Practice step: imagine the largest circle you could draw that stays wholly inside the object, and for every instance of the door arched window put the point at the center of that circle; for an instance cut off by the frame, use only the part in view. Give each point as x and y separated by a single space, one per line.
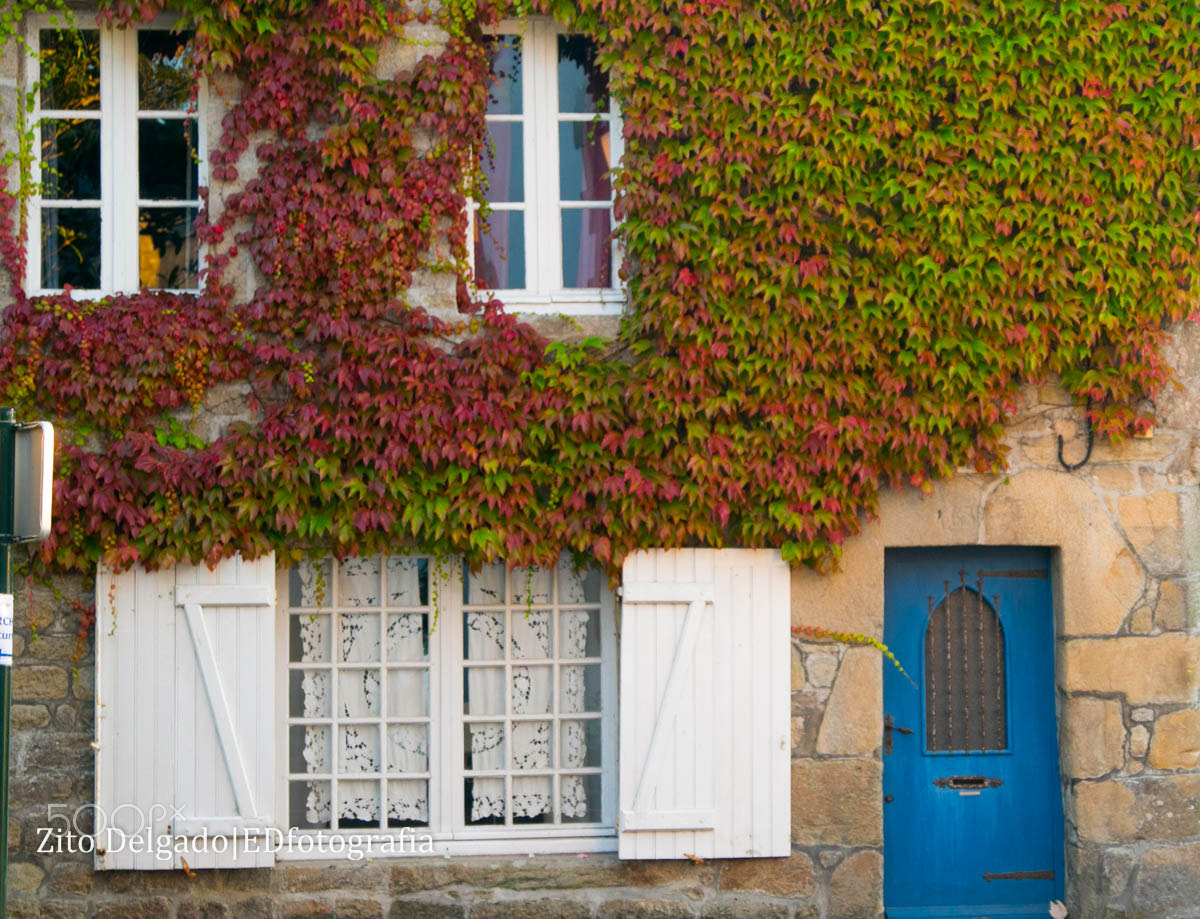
965 704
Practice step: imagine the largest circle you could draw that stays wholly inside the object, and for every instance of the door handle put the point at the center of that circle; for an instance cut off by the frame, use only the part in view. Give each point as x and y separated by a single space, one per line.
888 727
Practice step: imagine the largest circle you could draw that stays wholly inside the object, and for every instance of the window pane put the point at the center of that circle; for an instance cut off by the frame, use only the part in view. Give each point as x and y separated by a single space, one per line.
532 690
580 633
359 637
532 585
587 252
165 75
309 694
358 748
408 693
408 637
70 68
531 745
580 744
582 85
504 97
500 252
483 691
583 161
577 585
167 251
408 803
308 805
580 798
580 689
309 641
408 581
484 746
309 749
408 748
531 636
503 162
71 158
533 799
358 582
485 800
167 159
485 587
309 584
70 247
358 693
358 804
483 636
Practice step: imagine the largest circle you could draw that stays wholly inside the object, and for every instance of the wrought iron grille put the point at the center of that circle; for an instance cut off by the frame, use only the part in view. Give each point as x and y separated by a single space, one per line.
965 694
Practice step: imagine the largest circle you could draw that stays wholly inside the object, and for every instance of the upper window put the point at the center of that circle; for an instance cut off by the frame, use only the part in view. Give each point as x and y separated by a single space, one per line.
119 169
554 136
468 704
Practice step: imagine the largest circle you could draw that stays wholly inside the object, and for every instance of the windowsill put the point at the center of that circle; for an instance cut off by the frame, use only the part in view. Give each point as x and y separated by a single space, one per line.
410 845
566 303
85 295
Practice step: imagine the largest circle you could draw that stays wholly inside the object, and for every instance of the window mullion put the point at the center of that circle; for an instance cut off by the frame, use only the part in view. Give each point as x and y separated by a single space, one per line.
120 142
548 216
449 669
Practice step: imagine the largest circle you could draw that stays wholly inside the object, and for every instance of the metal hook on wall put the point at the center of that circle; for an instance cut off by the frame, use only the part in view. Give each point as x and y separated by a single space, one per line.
1087 423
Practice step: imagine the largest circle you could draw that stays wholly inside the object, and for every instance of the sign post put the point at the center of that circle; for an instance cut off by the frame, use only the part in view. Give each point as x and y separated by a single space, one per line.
26 472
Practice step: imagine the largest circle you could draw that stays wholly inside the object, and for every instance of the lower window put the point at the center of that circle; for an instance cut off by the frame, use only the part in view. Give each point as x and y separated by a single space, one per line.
466 704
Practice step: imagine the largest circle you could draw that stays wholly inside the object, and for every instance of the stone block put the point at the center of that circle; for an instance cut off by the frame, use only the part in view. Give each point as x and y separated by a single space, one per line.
822 668
850 599
47 909
741 908
1171 612
1142 620
26 717
1160 808
1114 478
541 908
779 877
853 719
1168 879
71 878
1093 737
1176 741
306 909
24 877
204 909
416 909
554 872
153 908
1100 580
1142 714
313 878
856 888
837 802
358 908
38 682
645 909
807 711
1153 525
1139 740
799 677
1160 668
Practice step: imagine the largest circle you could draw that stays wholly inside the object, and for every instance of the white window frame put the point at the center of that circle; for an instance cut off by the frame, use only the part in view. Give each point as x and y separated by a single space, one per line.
447 822
118 115
544 293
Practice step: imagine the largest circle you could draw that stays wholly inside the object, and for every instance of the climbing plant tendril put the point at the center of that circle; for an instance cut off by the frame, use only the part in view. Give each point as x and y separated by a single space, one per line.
852 230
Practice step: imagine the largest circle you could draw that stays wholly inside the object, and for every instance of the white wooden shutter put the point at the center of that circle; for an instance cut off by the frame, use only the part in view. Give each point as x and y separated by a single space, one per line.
705 748
185 715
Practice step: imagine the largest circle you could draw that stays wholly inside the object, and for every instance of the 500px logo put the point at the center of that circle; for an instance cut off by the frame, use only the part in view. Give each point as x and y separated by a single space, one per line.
89 829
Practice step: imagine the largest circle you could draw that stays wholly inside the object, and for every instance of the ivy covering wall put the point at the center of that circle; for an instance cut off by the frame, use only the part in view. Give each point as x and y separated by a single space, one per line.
852 230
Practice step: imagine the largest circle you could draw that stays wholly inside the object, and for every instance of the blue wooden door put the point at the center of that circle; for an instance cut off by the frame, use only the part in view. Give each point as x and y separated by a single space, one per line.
972 813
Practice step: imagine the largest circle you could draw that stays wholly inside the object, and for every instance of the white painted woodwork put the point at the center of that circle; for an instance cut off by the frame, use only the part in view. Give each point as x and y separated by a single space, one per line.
704 695
185 715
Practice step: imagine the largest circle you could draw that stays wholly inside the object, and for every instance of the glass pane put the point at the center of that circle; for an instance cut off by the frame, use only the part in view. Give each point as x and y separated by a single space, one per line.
309 639
577 585
579 689
531 742
531 635
582 84
533 799
485 588
168 256
580 798
484 746
532 585
165 75
358 693
584 158
532 690
309 584
408 693
71 158
484 800
579 744
483 691
309 694
308 805
358 804
167 169
309 749
408 748
408 637
587 253
71 247
359 637
407 581
483 636
504 163
580 633
504 96
70 68
358 582
408 802
358 748
500 251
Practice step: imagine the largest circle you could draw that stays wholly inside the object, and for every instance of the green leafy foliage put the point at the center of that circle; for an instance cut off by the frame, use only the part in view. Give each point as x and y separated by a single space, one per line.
852 231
